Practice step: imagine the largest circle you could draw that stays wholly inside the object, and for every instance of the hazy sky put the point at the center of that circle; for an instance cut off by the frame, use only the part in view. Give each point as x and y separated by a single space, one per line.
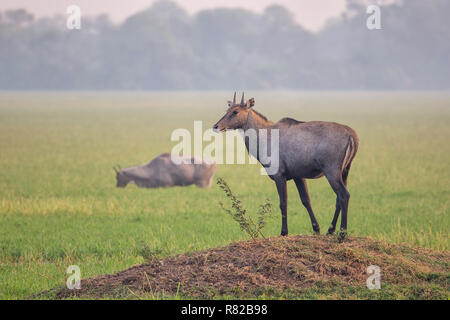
311 14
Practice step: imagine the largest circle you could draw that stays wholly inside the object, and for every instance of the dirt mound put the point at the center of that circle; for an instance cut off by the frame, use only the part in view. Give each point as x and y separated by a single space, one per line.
293 263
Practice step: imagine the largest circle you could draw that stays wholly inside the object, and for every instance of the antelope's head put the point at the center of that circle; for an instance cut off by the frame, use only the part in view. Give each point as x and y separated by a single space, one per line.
121 179
236 115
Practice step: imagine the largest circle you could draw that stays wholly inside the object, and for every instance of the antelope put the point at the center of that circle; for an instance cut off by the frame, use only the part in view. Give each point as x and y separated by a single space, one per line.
168 170
307 150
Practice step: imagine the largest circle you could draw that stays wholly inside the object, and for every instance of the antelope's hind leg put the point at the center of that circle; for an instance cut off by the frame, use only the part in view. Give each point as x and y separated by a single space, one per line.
304 197
336 180
338 207
332 227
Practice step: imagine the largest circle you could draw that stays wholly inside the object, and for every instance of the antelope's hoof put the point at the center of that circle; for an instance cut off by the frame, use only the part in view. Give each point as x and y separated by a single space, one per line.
342 236
316 228
284 233
331 231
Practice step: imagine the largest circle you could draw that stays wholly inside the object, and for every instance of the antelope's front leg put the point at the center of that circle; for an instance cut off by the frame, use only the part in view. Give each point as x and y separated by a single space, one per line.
282 193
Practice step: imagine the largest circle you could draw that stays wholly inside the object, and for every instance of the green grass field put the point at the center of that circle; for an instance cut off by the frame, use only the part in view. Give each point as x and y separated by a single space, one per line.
59 205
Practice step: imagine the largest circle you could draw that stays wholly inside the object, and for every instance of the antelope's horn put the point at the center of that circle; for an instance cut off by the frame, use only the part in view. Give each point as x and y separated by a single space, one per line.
234 98
115 170
242 99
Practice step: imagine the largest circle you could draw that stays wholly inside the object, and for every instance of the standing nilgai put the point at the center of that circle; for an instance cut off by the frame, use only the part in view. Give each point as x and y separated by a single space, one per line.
307 150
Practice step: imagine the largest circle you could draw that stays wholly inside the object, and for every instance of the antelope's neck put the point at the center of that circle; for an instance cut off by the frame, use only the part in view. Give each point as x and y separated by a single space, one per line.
255 121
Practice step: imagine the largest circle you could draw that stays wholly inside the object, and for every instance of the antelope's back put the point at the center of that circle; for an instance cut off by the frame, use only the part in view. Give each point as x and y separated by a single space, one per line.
306 148
186 170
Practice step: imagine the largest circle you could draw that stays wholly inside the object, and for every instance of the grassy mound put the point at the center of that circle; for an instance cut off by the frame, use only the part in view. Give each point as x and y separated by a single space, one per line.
292 267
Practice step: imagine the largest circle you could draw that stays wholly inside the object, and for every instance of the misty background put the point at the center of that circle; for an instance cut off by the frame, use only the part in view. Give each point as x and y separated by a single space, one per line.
166 48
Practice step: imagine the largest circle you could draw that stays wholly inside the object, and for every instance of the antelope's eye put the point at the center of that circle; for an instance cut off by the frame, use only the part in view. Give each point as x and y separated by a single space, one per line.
235 112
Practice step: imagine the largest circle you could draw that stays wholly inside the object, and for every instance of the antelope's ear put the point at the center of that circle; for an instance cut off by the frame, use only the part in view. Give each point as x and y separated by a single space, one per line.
230 103
250 103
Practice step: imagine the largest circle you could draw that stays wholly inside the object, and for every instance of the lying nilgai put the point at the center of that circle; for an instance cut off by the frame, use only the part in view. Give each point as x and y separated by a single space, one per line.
307 150
163 172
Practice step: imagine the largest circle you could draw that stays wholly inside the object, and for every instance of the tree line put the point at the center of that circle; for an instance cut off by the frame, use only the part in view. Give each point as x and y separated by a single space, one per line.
165 48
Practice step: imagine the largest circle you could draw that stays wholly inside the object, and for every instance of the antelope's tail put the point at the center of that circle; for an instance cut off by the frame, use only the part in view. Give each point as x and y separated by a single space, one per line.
350 152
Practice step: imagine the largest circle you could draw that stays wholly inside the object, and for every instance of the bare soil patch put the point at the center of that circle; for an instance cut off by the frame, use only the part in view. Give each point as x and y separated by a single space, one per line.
294 263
